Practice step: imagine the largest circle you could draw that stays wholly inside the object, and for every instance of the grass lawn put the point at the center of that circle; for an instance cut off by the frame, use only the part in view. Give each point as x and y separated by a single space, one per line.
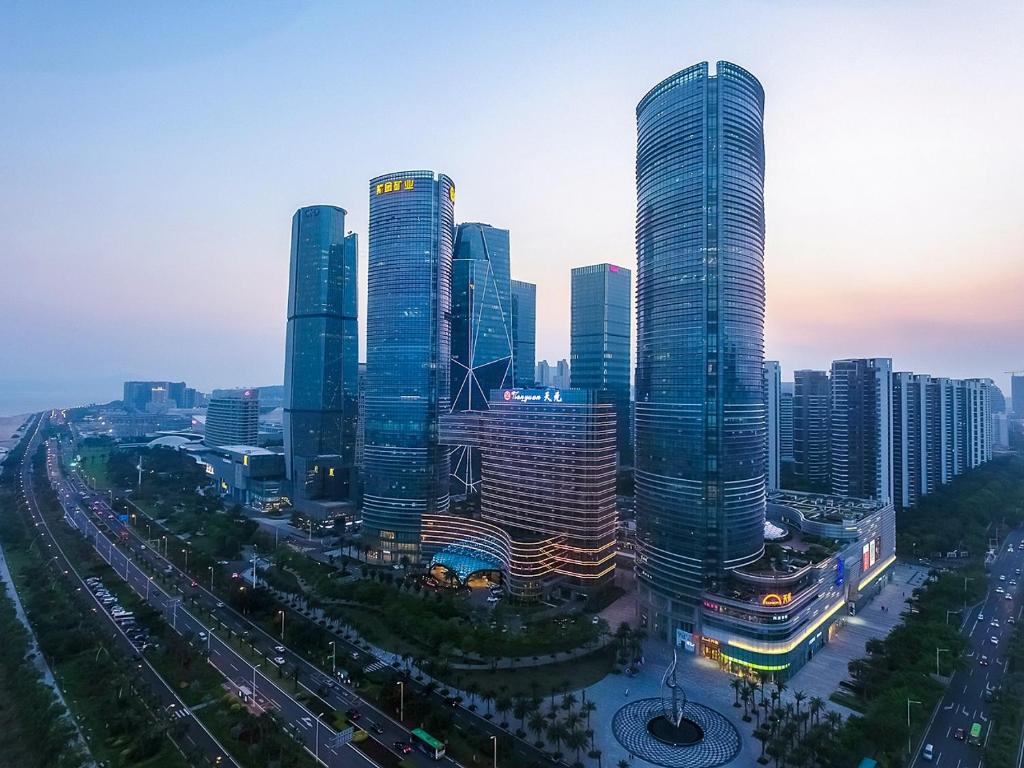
581 673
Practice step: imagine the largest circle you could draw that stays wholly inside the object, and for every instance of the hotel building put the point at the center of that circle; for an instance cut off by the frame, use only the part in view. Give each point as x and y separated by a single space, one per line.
547 515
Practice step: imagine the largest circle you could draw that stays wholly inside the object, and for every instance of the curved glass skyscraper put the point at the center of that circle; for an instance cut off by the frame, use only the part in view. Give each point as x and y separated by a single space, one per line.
322 355
408 343
700 413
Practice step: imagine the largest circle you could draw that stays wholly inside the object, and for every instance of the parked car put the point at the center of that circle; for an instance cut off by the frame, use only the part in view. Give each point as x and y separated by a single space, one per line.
928 753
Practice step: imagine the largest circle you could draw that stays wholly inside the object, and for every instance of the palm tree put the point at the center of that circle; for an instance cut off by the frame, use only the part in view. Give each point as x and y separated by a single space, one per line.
576 739
503 705
537 725
798 697
595 754
834 720
817 705
745 695
762 735
735 684
568 701
488 696
623 763
587 708
520 709
572 720
557 733
472 688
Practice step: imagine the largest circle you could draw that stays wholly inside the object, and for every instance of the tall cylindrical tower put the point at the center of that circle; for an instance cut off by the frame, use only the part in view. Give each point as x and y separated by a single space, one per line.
408 346
700 413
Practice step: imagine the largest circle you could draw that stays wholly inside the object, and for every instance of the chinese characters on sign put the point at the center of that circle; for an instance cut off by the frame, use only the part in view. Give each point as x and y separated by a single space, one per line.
395 186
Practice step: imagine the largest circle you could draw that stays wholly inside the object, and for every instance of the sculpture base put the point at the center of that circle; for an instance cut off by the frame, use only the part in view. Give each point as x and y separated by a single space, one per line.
686 734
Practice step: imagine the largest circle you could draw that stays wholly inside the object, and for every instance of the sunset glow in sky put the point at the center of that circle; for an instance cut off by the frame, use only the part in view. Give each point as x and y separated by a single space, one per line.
151 158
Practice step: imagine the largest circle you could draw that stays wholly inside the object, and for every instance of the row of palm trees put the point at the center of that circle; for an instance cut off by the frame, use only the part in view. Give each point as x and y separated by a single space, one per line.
561 721
790 734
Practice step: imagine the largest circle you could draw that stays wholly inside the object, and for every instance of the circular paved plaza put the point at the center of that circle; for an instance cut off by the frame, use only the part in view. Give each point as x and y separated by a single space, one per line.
720 745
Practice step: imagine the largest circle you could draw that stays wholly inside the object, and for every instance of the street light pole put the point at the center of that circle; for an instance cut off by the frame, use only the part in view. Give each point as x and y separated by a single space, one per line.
211 578
316 742
401 702
282 623
495 740
909 746
334 664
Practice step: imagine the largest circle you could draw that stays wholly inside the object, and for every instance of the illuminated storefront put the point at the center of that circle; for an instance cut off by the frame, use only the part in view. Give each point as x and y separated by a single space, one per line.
771 620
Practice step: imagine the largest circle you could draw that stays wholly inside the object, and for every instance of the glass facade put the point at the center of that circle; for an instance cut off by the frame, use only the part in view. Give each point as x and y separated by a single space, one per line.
810 428
408 351
322 351
860 428
481 333
600 341
700 413
524 332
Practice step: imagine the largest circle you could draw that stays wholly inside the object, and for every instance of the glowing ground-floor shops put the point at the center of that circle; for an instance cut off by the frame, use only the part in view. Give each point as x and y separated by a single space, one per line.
774 615
780 661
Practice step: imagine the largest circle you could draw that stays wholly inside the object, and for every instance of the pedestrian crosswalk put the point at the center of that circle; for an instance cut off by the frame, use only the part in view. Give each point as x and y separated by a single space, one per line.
374 666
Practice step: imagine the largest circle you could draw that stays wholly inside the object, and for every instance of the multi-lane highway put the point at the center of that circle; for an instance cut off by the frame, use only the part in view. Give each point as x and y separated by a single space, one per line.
195 738
327 745
968 699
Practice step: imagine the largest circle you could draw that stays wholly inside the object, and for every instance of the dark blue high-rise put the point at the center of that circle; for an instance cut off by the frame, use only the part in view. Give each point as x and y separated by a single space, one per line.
408 348
481 333
524 332
700 413
599 337
322 354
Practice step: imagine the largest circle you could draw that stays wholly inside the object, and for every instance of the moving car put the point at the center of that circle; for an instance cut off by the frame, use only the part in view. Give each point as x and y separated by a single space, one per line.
960 734
278 660
403 747
928 753
353 714
983 660
994 640
280 648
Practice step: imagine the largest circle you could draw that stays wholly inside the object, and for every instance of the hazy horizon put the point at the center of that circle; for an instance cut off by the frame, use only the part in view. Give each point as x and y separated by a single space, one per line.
154 156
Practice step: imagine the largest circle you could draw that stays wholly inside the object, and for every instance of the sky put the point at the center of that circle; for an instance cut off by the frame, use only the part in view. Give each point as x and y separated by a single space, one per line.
152 155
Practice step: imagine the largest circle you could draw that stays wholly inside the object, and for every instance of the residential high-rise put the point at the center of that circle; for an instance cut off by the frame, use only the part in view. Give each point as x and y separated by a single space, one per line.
786 421
860 448
943 435
600 341
408 353
773 420
810 428
976 422
482 347
547 501
1017 395
232 417
321 356
911 438
524 331
699 412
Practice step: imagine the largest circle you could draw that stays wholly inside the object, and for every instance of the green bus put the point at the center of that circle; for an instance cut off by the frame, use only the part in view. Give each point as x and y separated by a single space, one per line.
975 736
427 744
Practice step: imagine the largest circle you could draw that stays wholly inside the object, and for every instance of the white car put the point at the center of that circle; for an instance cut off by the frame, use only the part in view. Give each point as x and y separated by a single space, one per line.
280 648
202 636
994 640
492 599
278 660
981 617
994 623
